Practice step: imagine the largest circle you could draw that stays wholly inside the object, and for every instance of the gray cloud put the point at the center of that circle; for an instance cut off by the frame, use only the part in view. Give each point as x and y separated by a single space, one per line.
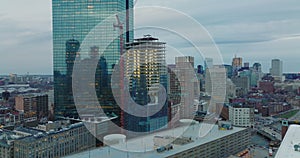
257 30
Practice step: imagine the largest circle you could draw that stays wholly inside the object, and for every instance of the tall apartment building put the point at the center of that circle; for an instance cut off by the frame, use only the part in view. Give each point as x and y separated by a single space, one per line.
242 116
72 22
32 105
146 70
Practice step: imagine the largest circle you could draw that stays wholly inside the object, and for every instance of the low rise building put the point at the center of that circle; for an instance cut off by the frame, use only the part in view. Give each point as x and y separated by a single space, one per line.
195 142
7 139
54 143
242 116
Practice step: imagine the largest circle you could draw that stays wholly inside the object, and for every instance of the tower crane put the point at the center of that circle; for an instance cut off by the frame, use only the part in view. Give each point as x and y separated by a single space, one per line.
120 26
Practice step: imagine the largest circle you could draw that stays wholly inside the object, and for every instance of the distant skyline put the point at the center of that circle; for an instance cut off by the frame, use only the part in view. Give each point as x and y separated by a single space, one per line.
256 30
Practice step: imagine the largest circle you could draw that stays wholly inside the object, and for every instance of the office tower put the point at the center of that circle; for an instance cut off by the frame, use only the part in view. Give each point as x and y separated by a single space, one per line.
187 80
174 95
72 22
145 70
257 74
174 85
276 69
237 62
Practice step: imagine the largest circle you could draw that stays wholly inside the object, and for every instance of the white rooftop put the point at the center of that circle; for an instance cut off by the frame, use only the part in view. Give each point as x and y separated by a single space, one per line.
144 146
291 138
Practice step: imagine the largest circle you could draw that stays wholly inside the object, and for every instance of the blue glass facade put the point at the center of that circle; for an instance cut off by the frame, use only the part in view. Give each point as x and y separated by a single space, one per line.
73 20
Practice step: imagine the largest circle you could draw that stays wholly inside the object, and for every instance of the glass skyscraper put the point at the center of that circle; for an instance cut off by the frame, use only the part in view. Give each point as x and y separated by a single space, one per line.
73 20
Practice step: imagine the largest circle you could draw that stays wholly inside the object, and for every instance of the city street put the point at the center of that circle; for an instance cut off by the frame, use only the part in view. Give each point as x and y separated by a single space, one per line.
261 152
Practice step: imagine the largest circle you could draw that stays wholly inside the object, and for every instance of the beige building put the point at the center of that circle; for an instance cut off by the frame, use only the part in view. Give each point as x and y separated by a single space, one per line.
242 116
187 78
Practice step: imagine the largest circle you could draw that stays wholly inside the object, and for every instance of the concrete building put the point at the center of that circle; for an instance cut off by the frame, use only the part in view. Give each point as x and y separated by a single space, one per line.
276 69
187 79
54 143
218 142
215 86
241 116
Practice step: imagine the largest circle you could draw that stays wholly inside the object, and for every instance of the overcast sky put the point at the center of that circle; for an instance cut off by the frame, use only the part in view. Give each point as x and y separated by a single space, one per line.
257 30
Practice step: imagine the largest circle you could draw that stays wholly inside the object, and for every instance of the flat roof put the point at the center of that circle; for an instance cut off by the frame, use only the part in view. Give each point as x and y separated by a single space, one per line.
144 146
291 138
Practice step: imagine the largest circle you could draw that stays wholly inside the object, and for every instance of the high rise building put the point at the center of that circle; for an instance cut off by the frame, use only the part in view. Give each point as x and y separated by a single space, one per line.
237 62
276 69
145 69
229 70
187 79
72 22
215 86
256 75
174 85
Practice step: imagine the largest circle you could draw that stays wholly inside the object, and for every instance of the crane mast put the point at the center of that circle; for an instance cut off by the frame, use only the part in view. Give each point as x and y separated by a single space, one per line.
120 26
